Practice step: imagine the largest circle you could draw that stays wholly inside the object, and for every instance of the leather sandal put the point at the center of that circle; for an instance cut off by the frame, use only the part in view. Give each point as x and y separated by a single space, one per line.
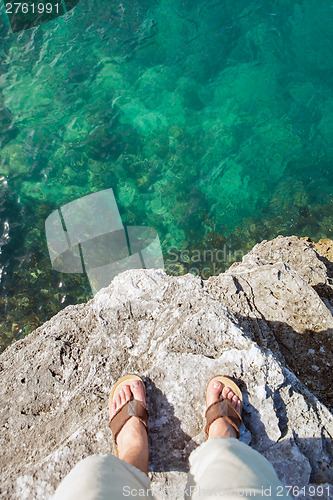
223 408
132 408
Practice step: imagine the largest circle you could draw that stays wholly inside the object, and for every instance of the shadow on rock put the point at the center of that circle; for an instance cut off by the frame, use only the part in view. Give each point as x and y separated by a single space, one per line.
308 355
169 445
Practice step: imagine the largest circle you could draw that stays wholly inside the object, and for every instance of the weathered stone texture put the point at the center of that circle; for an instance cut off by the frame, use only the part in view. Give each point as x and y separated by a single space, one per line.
267 321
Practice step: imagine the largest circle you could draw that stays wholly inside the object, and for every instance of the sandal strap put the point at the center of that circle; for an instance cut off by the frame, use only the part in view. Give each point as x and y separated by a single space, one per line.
223 409
133 408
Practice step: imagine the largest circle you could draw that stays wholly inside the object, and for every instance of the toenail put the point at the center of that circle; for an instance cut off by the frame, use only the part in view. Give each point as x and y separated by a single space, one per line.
136 383
216 385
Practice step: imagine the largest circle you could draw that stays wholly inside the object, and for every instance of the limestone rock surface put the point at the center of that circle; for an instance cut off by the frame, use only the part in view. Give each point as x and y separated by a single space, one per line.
267 321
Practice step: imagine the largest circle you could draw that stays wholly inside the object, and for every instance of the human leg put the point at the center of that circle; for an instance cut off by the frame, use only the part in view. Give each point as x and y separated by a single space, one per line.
225 468
106 477
132 439
103 477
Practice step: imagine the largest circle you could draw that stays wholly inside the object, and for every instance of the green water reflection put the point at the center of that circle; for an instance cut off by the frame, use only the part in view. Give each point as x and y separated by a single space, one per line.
211 121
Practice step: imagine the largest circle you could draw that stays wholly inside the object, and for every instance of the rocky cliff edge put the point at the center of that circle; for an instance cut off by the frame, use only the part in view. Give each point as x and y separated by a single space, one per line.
266 321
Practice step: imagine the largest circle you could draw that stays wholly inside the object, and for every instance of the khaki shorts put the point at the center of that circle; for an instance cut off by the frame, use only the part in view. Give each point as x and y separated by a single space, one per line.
220 468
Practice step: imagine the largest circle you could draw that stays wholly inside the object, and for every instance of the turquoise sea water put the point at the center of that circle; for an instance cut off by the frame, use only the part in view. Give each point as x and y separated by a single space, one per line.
211 121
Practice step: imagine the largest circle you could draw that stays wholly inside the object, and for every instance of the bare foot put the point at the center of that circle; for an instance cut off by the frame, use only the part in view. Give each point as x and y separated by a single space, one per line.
221 427
132 440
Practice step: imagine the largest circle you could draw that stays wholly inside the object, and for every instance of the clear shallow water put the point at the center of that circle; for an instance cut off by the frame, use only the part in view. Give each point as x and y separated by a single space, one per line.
211 121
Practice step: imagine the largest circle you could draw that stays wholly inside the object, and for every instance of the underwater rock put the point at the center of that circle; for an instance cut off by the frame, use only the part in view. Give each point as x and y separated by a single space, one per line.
177 332
8 130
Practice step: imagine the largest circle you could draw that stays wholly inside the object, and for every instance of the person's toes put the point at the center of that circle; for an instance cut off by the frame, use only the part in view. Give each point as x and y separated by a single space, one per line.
122 397
138 391
234 401
225 391
213 392
113 408
127 392
118 400
114 405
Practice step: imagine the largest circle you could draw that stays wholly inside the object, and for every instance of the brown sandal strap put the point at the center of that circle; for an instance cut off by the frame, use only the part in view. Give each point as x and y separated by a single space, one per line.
223 409
133 408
